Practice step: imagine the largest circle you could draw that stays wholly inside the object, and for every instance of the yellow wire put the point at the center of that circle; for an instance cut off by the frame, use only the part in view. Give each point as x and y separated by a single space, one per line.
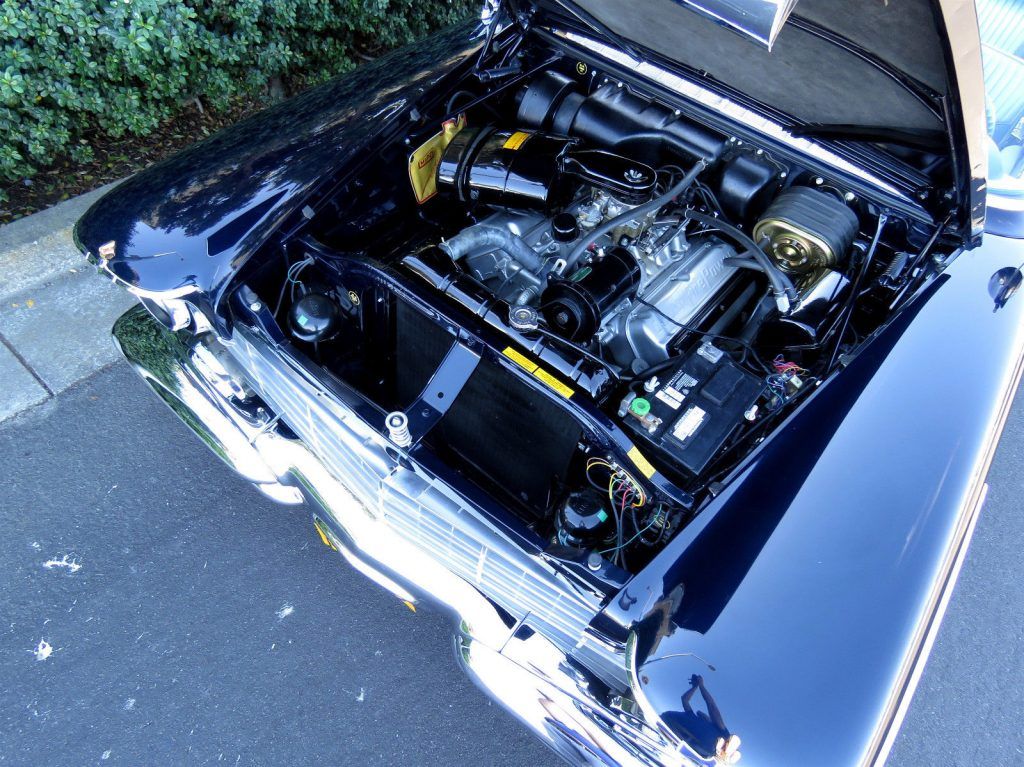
622 474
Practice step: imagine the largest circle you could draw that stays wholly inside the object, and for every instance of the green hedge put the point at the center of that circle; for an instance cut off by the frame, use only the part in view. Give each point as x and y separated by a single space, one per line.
70 67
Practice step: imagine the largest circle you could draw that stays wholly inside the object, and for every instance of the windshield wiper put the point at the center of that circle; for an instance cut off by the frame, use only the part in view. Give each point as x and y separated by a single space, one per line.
930 140
598 26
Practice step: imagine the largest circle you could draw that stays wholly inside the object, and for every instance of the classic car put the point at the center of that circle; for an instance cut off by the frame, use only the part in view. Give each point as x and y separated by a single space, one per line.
664 345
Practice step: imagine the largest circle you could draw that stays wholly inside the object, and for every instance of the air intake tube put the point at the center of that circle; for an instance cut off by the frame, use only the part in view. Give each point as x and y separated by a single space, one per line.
618 120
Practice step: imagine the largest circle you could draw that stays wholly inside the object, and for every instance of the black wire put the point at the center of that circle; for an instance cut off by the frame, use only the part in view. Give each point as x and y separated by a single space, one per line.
451 99
847 311
580 350
691 329
752 431
284 284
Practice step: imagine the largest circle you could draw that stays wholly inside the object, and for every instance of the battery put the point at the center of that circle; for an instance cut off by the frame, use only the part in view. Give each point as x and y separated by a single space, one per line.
688 413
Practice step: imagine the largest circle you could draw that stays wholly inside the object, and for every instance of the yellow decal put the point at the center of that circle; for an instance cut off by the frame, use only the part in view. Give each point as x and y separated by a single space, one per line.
516 140
641 463
323 536
520 359
540 373
581 67
553 382
424 161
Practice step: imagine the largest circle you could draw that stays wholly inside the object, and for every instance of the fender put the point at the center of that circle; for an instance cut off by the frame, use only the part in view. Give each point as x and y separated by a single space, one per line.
188 223
807 595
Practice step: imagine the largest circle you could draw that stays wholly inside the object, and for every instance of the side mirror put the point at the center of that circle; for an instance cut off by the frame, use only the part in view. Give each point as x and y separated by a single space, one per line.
1004 284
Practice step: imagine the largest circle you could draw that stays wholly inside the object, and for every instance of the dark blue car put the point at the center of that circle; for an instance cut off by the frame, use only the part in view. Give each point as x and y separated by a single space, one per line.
663 344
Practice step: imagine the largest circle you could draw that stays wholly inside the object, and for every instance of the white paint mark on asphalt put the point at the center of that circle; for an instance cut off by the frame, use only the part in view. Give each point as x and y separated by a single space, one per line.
361 696
112 489
43 650
129 704
377 653
71 565
285 611
106 755
36 546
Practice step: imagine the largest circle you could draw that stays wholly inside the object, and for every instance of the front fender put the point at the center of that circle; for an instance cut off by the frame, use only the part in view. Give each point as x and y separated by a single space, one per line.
187 224
807 595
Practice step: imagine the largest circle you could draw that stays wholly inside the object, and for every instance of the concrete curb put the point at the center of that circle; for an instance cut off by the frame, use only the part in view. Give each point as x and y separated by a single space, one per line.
55 311
38 249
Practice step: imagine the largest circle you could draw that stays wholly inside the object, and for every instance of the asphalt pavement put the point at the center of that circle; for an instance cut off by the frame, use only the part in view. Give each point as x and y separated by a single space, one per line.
158 611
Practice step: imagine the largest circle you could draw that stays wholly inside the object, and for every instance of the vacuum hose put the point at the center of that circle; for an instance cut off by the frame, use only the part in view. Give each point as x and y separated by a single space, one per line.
754 258
633 213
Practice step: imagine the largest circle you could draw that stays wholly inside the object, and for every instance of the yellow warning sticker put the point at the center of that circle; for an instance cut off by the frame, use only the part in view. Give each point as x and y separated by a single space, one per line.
540 373
424 161
553 382
516 140
520 359
641 463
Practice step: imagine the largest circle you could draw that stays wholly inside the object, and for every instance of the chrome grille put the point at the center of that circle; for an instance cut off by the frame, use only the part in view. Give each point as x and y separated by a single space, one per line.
421 509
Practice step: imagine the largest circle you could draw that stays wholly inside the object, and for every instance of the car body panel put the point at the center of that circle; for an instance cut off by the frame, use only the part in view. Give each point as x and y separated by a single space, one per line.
190 222
803 594
800 594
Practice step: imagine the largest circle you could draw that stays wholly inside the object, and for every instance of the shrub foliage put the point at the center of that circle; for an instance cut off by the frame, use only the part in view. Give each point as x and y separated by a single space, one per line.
72 67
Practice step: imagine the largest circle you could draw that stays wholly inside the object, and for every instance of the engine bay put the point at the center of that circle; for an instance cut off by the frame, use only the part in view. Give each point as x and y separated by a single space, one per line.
653 281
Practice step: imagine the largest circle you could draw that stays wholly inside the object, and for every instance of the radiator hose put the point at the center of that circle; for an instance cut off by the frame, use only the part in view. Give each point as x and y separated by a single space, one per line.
483 237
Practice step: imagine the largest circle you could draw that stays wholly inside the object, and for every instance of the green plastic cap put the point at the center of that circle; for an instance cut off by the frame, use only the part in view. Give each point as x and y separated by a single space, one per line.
640 406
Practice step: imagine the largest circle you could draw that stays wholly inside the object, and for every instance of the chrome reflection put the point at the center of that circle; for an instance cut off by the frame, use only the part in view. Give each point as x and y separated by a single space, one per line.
760 20
516 661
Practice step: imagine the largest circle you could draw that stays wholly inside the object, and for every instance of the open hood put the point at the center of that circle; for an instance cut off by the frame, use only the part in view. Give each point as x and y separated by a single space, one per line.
904 76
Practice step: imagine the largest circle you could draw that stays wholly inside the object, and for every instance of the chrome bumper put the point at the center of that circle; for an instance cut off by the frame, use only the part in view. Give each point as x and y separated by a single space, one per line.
411 534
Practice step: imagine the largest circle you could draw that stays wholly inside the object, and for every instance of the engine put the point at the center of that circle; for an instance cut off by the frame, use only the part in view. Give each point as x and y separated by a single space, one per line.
685 289
640 269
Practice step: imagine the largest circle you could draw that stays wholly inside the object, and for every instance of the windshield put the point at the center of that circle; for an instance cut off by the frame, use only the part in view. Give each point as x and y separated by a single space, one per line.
1002 40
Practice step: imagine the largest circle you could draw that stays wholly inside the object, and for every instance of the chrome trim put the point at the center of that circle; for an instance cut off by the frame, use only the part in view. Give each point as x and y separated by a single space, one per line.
961 26
760 20
414 536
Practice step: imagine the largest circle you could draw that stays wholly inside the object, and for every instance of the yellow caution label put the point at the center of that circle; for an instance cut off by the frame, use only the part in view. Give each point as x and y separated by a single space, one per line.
540 373
423 162
516 140
553 382
641 463
520 359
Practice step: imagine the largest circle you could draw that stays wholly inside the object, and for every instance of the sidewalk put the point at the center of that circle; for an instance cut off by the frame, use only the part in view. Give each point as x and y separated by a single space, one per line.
55 311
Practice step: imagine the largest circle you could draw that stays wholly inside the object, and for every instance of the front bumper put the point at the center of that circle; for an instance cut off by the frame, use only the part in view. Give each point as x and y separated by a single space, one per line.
522 625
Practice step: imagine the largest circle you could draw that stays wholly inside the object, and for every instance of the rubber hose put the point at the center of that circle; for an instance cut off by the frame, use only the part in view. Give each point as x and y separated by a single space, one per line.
633 213
780 282
483 237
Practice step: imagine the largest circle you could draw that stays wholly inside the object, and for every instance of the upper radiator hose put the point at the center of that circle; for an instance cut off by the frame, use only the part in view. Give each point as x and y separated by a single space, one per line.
482 237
